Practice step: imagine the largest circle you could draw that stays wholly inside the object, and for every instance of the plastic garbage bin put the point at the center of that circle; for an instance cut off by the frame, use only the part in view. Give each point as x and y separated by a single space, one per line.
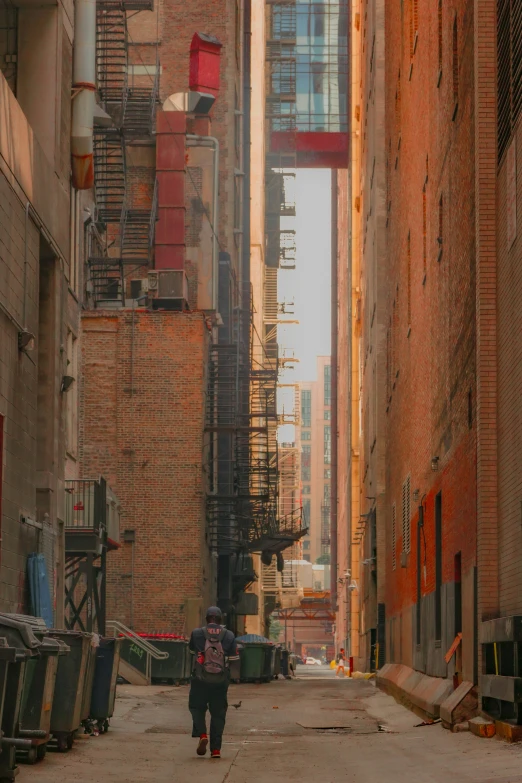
103 693
20 639
277 660
66 714
254 661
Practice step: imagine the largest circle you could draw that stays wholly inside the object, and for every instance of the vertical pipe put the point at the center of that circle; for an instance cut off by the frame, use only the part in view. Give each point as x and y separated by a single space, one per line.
247 96
84 86
333 372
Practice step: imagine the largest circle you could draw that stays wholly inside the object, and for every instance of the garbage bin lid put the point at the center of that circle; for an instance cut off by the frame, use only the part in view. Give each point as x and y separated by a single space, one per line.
24 630
51 646
253 638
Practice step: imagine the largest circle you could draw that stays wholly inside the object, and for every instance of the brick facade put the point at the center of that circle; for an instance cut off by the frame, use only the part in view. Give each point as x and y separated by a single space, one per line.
143 409
430 307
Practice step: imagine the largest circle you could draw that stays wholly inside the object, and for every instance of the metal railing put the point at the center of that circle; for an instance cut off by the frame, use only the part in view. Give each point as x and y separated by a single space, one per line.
119 630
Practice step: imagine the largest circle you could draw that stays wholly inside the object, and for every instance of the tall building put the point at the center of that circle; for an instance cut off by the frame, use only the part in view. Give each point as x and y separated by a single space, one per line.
44 227
314 441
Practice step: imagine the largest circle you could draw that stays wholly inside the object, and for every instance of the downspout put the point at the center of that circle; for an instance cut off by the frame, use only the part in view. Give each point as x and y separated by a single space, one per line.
84 86
213 143
333 392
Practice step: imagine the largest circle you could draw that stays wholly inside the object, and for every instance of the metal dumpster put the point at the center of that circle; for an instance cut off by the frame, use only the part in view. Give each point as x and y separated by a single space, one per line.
103 692
87 724
22 646
287 664
277 660
254 656
172 670
66 716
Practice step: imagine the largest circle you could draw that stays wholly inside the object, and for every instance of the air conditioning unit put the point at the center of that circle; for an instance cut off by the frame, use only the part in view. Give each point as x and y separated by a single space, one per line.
168 289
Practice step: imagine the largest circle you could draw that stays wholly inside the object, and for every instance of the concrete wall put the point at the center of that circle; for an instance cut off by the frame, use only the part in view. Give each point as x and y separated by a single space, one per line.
143 415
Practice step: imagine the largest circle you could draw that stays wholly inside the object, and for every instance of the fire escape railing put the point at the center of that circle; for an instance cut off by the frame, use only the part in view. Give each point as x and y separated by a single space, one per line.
127 218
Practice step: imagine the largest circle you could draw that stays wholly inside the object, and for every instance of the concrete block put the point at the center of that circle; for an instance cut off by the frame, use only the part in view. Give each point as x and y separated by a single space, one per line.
508 731
459 706
481 727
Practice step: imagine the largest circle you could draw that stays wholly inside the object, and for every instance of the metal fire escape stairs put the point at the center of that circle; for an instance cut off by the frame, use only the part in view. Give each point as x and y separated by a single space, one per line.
129 228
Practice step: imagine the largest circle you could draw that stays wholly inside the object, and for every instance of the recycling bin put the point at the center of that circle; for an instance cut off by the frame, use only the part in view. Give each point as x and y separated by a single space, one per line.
19 645
66 716
103 694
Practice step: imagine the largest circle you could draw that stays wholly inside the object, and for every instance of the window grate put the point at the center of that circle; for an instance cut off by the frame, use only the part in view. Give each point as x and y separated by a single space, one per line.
394 537
509 70
406 515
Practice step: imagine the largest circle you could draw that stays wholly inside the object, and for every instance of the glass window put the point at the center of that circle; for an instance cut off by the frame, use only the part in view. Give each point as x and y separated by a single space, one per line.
327 385
327 444
306 489
306 408
306 435
328 473
327 415
306 462
306 513
306 544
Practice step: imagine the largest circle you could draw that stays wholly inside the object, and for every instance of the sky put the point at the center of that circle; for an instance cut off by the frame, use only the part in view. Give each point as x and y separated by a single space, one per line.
308 286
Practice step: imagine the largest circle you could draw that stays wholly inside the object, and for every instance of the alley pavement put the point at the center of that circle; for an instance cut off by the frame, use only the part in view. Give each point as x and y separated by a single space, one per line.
314 729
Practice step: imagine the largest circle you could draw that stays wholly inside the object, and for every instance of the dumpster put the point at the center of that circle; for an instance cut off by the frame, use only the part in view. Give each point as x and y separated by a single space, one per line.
277 660
37 698
287 664
66 716
257 656
176 668
88 725
103 693
22 646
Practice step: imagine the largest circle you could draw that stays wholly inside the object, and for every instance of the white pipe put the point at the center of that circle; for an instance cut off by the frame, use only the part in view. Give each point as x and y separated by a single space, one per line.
84 86
211 141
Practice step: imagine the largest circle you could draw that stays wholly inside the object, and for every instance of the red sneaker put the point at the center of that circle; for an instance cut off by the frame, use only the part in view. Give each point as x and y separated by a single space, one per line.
215 754
202 745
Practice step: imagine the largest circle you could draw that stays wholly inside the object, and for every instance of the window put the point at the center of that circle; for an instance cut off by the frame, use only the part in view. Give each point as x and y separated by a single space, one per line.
306 544
327 444
327 415
406 515
71 398
440 238
306 513
9 43
509 56
306 408
306 435
440 42
394 537
306 489
424 233
306 461
455 67
409 280
328 473
438 566
327 385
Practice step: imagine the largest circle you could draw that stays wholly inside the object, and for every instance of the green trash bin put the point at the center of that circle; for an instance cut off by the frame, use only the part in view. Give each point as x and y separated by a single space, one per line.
66 716
19 645
277 661
253 657
87 724
174 669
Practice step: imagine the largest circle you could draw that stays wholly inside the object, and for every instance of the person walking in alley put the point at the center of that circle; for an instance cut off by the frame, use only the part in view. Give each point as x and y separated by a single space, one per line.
340 662
213 648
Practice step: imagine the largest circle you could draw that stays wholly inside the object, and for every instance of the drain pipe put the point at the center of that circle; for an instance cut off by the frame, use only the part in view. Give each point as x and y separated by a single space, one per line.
213 143
84 86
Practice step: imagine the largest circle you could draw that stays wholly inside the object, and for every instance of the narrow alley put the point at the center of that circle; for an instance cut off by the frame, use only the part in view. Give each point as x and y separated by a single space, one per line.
314 728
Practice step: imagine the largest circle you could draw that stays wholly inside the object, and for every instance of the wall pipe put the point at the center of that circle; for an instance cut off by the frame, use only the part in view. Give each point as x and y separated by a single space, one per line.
334 363
84 87
213 143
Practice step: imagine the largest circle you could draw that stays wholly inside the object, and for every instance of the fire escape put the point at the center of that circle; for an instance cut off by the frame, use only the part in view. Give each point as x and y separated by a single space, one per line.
126 217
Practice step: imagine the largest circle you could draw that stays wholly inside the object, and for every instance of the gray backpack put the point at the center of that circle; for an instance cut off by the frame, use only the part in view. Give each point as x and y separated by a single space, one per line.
213 668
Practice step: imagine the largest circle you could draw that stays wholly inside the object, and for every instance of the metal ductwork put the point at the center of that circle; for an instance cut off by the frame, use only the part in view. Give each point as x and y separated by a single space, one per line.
83 98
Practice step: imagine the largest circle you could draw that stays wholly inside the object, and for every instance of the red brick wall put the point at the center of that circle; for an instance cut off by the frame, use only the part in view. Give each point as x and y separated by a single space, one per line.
143 397
430 304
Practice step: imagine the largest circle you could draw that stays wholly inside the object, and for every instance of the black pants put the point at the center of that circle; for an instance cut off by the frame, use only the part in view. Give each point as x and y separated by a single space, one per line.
205 697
